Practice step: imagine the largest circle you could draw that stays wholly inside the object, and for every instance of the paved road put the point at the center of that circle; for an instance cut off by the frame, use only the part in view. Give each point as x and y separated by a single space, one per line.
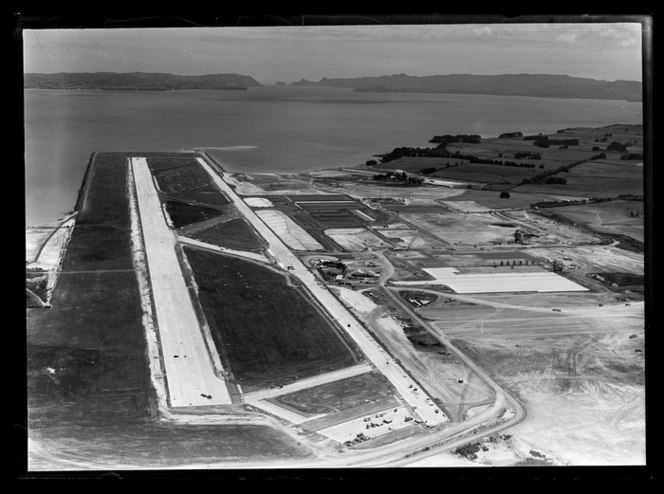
214 248
407 388
399 302
189 370
309 382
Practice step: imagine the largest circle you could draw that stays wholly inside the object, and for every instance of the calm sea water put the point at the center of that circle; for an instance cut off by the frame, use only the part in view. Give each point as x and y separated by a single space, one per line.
280 129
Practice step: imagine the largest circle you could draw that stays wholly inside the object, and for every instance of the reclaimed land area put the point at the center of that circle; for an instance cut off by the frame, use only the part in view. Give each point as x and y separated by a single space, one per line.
575 361
265 328
91 403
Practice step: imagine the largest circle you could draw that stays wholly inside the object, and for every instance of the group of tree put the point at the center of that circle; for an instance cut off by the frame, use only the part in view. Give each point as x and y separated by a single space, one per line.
510 135
572 202
527 155
400 176
629 197
543 178
446 139
401 152
489 161
617 146
552 179
433 169
632 156
545 142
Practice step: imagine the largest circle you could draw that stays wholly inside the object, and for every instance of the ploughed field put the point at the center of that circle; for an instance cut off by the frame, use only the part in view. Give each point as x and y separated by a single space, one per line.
266 330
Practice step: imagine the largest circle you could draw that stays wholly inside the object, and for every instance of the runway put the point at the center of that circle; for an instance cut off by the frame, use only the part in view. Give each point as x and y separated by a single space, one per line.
190 376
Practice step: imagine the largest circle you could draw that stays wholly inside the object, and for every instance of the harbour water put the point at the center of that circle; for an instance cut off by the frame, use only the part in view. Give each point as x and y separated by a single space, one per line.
270 129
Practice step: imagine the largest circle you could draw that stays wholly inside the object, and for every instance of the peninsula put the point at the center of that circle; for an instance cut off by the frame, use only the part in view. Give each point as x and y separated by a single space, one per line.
535 85
137 81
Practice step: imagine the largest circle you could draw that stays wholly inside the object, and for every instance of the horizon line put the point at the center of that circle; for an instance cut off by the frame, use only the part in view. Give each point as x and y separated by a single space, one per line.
332 78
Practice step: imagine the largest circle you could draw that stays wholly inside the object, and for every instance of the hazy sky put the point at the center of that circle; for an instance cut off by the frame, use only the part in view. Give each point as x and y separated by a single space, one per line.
269 54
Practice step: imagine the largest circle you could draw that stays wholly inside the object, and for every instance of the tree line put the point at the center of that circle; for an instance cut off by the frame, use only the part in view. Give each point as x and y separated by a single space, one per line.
446 139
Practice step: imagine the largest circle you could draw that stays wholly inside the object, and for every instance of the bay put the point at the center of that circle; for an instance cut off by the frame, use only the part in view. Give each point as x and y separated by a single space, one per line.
271 129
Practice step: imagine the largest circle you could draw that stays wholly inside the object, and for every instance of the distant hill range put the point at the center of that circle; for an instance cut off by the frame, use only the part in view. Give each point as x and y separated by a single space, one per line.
537 85
137 81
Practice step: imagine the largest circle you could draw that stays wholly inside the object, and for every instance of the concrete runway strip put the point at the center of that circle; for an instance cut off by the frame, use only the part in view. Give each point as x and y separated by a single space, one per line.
189 370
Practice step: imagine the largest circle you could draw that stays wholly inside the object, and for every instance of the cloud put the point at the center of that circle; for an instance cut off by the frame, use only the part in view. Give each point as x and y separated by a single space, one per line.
627 43
567 37
482 31
605 32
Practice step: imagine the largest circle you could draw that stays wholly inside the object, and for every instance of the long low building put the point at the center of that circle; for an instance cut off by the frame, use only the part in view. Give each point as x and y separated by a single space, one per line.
538 281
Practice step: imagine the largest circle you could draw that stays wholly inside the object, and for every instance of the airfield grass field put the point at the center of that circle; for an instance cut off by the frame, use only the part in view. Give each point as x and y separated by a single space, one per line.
265 329
233 234
206 195
183 214
183 178
83 368
153 445
339 395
